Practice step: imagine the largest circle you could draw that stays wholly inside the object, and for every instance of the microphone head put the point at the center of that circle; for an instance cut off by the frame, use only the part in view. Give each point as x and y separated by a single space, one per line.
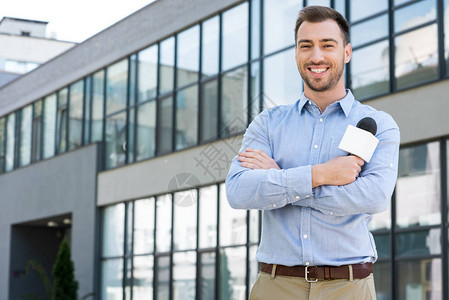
368 124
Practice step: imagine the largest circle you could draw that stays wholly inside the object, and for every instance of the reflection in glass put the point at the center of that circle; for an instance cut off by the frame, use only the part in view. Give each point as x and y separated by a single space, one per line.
235 36
416 62
147 74
232 222
279 24
130 143
382 280
256 94
87 110
10 141
116 86
146 130
446 30
253 266
2 143
318 2
418 186
115 140
377 28
340 6
207 276
165 134
97 106
167 63
282 82
61 121
370 77
144 226
254 226
255 28
143 277
36 144
381 220
163 278
187 117
414 15
208 217
420 279
383 245
419 243
361 9
76 115
49 125
184 275
233 273
111 279
25 135
234 102
208 112
163 226
185 212
188 60
113 230
210 42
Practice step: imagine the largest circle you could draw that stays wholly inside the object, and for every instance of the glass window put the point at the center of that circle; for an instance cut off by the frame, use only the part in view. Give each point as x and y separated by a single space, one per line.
254 226
49 126
25 135
418 243
235 36
208 112
208 217
132 80
76 115
377 28
87 110
361 9
253 266
340 6
416 62
37 131
97 106
207 275
144 226
113 230
143 277
370 77
163 278
130 143
129 229
256 93
420 279
255 28
163 226
187 117
383 245
282 82
2 143
233 273
166 65
418 186
414 15
279 24
116 86
112 279
234 102
61 126
147 74
116 140
146 130
184 276
188 56
165 119
232 222
10 141
318 2
446 30
210 43
381 220
399 2
185 213
383 280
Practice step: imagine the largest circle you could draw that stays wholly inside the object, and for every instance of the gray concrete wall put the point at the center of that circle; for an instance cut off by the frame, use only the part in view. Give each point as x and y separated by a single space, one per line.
61 185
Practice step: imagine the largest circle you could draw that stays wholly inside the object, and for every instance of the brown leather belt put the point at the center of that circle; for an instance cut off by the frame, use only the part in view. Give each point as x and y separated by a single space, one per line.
312 273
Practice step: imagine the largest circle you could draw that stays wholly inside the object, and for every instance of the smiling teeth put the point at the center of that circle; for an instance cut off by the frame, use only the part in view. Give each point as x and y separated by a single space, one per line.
318 70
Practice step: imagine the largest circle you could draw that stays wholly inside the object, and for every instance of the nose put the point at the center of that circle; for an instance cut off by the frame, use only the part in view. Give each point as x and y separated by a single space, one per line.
317 55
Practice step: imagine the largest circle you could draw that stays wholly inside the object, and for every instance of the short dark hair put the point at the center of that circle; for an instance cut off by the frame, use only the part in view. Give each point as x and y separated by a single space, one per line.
316 14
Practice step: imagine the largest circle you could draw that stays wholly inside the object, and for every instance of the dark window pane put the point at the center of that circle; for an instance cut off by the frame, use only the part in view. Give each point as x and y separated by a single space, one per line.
210 47
61 121
2 143
115 140
207 276
420 279
116 86
279 24
143 277
232 222
188 56
209 107
184 275
131 128
146 130
233 273
414 15
163 226
49 125
234 102
383 245
25 135
111 279
187 117
165 119
132 80
420 243
370 77
382 280
76 115
255 28
113 230
37 132
416 62
163 278
144 226
361 9
208 217
235 36
166 65
147 73
377 28
10 141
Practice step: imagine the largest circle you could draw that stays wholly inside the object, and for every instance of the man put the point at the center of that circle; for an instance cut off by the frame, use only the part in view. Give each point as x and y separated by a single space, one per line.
317 200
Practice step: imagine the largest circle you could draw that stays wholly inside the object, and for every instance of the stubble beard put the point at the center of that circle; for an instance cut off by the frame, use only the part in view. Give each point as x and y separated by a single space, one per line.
317 85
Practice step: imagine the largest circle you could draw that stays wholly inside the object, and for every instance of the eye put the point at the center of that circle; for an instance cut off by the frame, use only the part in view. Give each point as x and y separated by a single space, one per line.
304 46
328 46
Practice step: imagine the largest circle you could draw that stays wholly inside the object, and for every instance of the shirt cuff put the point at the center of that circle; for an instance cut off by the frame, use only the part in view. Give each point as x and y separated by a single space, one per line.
299 182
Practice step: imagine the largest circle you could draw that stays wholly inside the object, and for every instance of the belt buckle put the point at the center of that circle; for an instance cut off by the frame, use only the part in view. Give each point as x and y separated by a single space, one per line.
306 275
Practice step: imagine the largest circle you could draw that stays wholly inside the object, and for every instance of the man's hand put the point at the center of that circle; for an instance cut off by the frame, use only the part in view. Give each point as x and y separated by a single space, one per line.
256 159
340 170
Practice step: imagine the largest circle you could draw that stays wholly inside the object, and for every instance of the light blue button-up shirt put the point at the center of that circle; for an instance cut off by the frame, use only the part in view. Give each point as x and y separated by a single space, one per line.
327 225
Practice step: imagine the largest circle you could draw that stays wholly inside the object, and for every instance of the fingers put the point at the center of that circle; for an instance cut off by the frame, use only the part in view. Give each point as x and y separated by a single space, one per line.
255 154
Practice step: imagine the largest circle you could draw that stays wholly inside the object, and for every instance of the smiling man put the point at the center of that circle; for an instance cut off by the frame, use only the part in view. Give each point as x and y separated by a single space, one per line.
317 201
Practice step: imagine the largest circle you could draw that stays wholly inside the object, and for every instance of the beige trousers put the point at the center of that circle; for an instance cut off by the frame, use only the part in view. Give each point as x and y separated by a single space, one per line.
281 287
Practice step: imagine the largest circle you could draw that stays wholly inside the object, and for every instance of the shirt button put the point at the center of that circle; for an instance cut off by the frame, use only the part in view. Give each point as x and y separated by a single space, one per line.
307 196
316 146
274 205
331 213
307 263
297 197
391 165
310 102
321 120
304 236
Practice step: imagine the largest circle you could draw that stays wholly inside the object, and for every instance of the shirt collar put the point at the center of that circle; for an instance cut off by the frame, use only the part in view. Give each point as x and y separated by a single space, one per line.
345 103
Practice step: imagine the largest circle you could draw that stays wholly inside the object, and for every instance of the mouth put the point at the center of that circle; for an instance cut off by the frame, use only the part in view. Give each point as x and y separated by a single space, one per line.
318 71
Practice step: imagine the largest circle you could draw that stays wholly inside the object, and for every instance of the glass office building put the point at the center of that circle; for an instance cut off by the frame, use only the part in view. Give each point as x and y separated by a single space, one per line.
129 136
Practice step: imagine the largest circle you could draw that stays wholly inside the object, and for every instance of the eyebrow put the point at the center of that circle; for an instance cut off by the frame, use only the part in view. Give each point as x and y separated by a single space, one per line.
321 41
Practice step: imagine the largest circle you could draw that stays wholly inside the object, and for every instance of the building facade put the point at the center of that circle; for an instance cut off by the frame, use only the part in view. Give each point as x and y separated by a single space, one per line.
122 145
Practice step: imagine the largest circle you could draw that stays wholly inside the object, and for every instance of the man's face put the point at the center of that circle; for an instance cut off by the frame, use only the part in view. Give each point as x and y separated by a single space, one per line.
321 55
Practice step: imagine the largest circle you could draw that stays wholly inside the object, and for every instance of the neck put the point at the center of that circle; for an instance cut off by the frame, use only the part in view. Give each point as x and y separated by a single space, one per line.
326 98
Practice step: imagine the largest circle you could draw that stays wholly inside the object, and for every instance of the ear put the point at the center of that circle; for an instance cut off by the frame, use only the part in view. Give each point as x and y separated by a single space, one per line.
348 52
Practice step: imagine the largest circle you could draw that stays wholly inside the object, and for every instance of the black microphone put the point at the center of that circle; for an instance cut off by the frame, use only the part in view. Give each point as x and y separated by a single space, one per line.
360 140
368 124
